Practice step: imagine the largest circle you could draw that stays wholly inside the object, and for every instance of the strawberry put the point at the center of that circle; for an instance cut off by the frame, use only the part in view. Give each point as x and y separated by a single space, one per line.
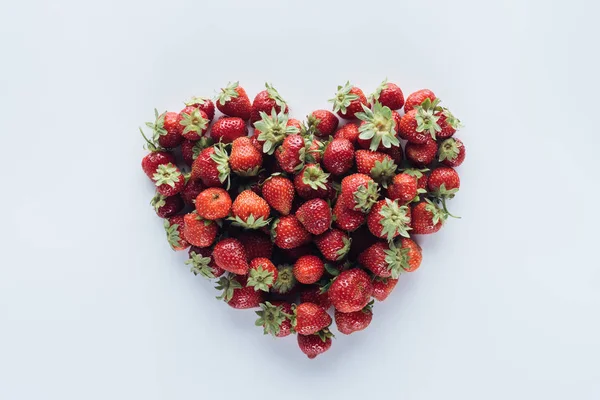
382 287
421 176
359 192
203 103
236 294
421 155
165 129
313 345
244 159
274 318
227 129
403 188
286 281
443 182
291 154
287 233
448 122
351 290
346 218
191 190
192 123
322 123
187 151
354 321
338 156
391 259
257 244
417 98
267 100
316 148
395 153
201 263
213 203
378 127
427 218
314 295
234 102
378 165
250 211
387 219
348 101
166 207
315 215
420 124
174 230
279 193
168 179
197 231
207 169
292 255
156 157
333 244
309 269
262 274
293 122
310 318
389 95
451 152
349 132
311 182
414 254
273 129
230 255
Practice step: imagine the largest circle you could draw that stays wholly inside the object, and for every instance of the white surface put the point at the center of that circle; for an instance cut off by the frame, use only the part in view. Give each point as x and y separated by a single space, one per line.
93 304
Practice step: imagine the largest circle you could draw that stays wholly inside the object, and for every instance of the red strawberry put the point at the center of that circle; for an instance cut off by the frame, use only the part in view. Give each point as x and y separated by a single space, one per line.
414 254
291 154
427 218
346 218
257 244
266 101
271 130
322 123
420 175
314 295
191 190
448 122
205 104
155 158
417 98
309 269
192 123
378 127
213 203
333 244
315 215
349 132
236 294
391 259
279 193
227 129
167 206
312 182
382 287
206 168
187 151
230 255
419 125
313 345
165 130
348 101
395 152
443 182
273 317
234 102
338 156
315 151
174 229
354 321
262 274
387 219
351 290
389 95
451 152
249 210
295 124
403 188
310 318
421 155
168 179
199 232
359 192
287 233
244 159
378 165
286 281
201 263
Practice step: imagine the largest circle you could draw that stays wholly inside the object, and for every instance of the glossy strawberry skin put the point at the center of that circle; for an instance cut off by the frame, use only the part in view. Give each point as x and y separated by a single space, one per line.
213 203
443 176
311 318
205 104
392 97
332 244
172 138
263 102
408 129
417 98
249 203
350 185
178 220
421 155
205 168
238 106
403 188
374 219
346 218
191 190
338 157
315 215
366 159
230 255
348 323
349 132
152 160
227 129
447 129
285 329
206 252
314 295
246 297
351 290
382 287
279 193
324 122
415 254
374 259
422 220
172 206
187 151
308 269
289 233
313 345
199 232
288 155
244 158
256 244
355 105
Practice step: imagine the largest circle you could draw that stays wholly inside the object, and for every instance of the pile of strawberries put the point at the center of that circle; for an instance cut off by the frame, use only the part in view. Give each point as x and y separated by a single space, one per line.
296 217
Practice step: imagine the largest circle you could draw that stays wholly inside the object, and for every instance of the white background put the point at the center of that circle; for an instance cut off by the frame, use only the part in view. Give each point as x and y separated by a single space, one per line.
94 305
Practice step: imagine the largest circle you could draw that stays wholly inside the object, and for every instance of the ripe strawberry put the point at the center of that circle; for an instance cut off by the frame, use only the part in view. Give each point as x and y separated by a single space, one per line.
427 218
351 290
273 129
293 122
286 281
314 295
206 168
390 259
227 129
168 179
274 318
201 263
448 122
389 95
287 233
378 127
291 154
338 156
250 211
333 244
311 182
236 294
310 318
359 192
348 101
417 98
403 188
322 123
420 124
279 193
387 219
395 153
166 207
192 123
421 176
313 345
315 215
346 218
257 244
191 190
266 101
349 132
308 269
414 254
262 274
234 102
244 159
451 152
378 165
165 130
203 103
421 155
354 321
199 232
187 151
382 287
315 151
174 230
213 203
156 157
443 182
230 255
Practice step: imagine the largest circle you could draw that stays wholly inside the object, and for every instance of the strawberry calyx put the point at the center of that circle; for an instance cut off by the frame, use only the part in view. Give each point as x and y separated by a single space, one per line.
331 270
438 214
172 231
443 193
151 145
228 285
221 158
285 279
196 100
373 97
417 173
397 259
274 95
200 265
341 253
366 196
451 119
449 150
325 334
166 174
200 145
426 117
379 126
315 178
249 172
260 279
158 201
312 123
273 129
394 220
384 171
158 126
369 307
251 222
194 122
228 93
343 98
270 317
